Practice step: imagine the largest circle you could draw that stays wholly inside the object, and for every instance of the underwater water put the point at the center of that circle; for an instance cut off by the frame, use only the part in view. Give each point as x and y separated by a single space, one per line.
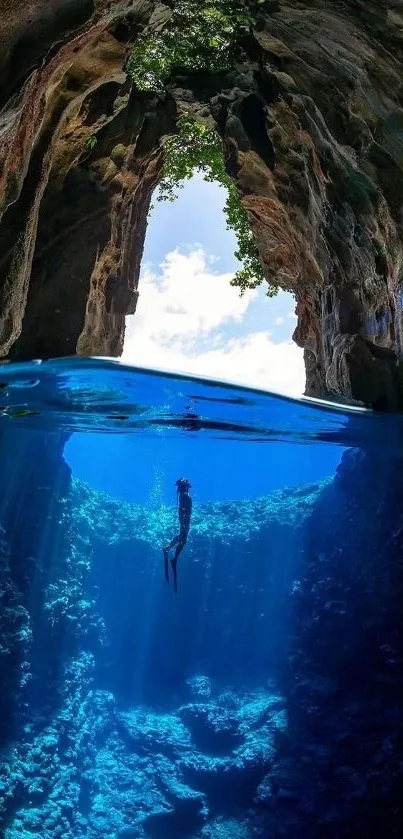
261 700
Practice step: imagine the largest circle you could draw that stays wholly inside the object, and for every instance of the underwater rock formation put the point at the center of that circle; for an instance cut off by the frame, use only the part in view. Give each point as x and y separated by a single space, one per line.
292 727
311 117
114 521
33 492
98 772
341 763
16 639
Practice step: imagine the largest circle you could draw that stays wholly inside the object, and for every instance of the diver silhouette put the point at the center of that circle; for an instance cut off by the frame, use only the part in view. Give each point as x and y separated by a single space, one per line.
184 513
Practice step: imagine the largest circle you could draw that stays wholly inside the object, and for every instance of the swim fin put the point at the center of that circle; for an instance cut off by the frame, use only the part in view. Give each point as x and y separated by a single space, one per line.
166 564
174 563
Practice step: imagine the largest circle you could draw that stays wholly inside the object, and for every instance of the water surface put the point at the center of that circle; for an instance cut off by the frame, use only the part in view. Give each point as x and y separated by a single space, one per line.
261 700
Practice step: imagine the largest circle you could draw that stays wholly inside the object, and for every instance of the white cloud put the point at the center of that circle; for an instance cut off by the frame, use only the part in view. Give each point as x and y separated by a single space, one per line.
187 321
188 299
255 361
279 321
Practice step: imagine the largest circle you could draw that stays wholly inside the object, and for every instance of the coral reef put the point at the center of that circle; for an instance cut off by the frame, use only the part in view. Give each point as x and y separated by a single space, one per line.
32 491
310 115
42 771
15 637
344 681
115 521
101 773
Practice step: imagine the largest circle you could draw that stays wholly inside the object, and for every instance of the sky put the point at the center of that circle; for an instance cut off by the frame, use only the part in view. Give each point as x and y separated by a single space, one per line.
190 319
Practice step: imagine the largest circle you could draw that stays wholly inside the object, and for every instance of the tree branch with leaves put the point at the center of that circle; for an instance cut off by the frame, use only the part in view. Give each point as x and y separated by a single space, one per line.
198 147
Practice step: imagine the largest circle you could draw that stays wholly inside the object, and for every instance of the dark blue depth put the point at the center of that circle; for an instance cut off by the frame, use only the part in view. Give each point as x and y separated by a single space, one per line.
264 699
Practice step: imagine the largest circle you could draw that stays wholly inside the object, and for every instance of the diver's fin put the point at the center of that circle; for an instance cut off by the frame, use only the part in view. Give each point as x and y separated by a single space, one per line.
174 563
166 564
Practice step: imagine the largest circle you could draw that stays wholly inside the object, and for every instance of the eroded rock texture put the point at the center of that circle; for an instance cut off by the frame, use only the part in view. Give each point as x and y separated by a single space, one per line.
311 117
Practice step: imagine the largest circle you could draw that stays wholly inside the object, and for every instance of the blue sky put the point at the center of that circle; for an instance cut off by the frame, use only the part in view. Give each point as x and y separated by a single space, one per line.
190 319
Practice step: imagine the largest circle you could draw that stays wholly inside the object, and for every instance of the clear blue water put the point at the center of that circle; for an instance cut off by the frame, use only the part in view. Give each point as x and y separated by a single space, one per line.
261 700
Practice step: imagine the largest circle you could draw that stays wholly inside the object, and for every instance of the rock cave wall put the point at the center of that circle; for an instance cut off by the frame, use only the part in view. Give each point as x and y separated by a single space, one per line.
345 658
33 506
311 118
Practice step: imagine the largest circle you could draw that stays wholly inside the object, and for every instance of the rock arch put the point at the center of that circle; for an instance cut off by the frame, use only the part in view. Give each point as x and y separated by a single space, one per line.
311 118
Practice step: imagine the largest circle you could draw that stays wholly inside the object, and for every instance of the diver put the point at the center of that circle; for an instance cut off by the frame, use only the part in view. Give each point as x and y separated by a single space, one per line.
184 513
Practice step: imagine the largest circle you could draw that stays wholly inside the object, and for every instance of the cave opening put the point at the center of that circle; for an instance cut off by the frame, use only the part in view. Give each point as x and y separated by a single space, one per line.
189 318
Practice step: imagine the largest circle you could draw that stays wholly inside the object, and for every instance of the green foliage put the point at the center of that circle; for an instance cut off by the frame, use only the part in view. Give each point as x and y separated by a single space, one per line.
150 64
201 34
91 142
197 147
